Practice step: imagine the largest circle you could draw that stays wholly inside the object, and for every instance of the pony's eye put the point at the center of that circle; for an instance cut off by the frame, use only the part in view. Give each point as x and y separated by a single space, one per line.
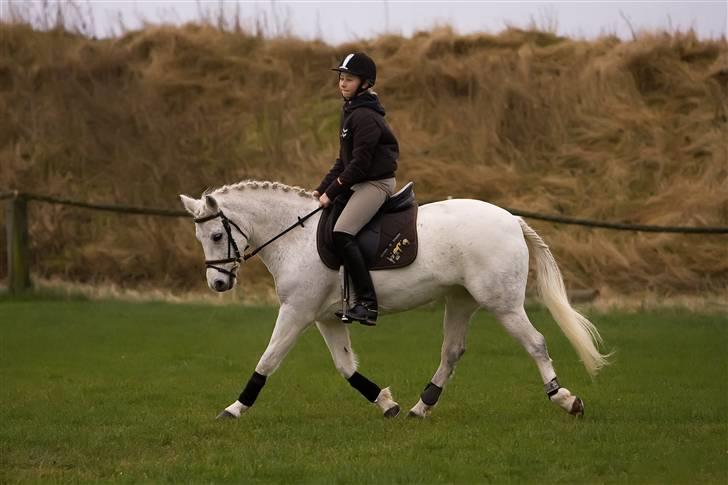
217 236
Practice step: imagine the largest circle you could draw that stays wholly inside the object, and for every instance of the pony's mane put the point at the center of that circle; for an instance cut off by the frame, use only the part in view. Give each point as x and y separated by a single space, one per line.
259 184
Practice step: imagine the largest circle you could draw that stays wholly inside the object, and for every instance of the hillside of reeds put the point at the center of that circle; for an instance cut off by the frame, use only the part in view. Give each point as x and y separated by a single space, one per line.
610 130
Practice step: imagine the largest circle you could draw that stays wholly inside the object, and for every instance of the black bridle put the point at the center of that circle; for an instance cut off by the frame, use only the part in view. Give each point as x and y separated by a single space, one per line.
233 253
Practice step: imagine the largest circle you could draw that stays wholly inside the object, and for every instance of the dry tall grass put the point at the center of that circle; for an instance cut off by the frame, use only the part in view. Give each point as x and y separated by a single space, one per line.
623 131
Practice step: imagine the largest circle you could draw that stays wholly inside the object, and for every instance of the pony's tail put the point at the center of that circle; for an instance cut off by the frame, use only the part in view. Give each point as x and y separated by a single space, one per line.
582 334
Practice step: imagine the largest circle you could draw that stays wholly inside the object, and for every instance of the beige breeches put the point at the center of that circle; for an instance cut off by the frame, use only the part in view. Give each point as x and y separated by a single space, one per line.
366 200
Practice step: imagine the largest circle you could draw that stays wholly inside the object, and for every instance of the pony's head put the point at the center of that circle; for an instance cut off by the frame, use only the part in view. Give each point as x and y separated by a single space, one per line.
223 241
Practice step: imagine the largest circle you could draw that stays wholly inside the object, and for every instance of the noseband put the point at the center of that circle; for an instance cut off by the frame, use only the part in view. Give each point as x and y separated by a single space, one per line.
233 251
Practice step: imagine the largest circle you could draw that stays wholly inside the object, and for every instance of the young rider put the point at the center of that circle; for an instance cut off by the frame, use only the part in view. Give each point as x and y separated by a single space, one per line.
368 152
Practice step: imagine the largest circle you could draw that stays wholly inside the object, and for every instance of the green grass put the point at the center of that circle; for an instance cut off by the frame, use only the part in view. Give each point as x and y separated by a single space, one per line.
111 391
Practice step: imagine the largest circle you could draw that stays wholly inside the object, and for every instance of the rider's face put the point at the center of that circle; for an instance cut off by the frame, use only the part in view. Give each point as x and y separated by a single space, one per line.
348 84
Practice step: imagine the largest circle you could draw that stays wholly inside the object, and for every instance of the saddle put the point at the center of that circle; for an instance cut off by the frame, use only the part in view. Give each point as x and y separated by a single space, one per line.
388 241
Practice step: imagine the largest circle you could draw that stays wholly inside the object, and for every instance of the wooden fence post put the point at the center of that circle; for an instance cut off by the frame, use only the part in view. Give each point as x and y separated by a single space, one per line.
17 236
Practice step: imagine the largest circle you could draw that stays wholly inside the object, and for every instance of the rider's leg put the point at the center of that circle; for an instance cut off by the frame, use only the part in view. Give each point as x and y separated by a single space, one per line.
366 200
365 307
364 203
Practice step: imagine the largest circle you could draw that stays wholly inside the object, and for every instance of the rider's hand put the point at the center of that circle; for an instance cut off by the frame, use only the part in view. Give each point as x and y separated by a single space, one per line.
324 200
316 194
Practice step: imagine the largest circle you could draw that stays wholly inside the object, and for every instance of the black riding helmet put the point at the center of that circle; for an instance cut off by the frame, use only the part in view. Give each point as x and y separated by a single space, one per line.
361 65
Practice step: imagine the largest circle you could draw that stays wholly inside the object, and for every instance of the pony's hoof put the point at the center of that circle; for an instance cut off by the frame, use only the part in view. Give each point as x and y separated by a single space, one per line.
413 414
577 408
392 412
225 414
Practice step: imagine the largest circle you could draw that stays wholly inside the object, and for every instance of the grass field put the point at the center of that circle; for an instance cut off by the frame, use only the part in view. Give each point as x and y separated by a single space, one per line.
112 391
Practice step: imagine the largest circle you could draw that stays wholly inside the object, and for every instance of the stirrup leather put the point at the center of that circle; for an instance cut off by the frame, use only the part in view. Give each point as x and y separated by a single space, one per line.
345 314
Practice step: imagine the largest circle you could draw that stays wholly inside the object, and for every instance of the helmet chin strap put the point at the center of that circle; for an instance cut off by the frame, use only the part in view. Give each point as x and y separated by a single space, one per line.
361 88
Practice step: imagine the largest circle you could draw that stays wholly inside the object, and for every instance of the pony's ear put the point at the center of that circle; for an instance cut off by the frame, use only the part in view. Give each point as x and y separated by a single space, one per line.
211 203
191 205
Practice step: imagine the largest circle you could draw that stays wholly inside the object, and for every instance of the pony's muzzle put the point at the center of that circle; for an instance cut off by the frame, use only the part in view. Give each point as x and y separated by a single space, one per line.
221 279
220 285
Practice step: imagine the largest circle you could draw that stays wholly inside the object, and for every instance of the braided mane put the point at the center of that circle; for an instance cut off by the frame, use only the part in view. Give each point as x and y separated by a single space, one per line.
259 184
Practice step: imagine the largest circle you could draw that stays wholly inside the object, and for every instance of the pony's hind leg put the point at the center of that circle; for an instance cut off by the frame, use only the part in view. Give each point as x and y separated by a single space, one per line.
459 309
336 335
519 327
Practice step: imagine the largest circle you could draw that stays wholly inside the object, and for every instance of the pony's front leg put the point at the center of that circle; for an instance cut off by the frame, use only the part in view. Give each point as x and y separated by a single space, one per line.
336 335
288 327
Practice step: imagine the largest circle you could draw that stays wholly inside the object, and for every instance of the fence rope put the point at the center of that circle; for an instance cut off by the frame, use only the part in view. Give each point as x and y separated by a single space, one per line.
121 209
619 226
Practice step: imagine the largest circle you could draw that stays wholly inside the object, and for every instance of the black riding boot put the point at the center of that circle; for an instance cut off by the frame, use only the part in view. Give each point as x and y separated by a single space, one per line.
364 309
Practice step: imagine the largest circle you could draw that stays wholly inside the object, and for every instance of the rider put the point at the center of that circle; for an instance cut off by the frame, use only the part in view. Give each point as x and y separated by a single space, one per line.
368 152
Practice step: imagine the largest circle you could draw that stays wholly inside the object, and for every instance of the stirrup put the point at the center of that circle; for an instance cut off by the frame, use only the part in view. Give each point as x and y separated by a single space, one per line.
369 319
342 316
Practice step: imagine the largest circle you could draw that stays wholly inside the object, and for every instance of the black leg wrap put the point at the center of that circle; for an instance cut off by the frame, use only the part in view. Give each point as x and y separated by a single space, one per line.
552 387
252 389
431 394
366 387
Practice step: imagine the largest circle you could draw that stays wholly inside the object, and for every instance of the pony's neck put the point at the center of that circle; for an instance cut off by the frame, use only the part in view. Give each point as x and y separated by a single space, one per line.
264 212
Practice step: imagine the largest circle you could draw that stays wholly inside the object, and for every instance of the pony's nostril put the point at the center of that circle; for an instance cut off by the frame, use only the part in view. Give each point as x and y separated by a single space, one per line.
219 285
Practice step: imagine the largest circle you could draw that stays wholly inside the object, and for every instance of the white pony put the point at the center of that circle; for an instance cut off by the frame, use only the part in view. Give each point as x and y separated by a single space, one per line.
471 254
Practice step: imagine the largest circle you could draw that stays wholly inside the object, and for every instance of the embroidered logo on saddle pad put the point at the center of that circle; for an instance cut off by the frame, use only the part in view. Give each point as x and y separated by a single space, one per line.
395 249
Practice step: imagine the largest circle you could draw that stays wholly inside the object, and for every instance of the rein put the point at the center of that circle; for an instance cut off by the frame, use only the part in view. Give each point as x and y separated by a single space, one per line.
233 255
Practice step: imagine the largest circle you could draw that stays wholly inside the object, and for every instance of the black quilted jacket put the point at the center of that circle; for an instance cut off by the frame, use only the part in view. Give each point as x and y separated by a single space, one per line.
368 150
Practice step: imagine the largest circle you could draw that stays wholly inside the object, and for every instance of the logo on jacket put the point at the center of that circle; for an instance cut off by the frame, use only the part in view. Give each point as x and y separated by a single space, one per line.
344 132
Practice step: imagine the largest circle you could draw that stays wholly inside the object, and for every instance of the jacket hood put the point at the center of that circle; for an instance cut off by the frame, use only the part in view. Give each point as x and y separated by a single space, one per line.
365 100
